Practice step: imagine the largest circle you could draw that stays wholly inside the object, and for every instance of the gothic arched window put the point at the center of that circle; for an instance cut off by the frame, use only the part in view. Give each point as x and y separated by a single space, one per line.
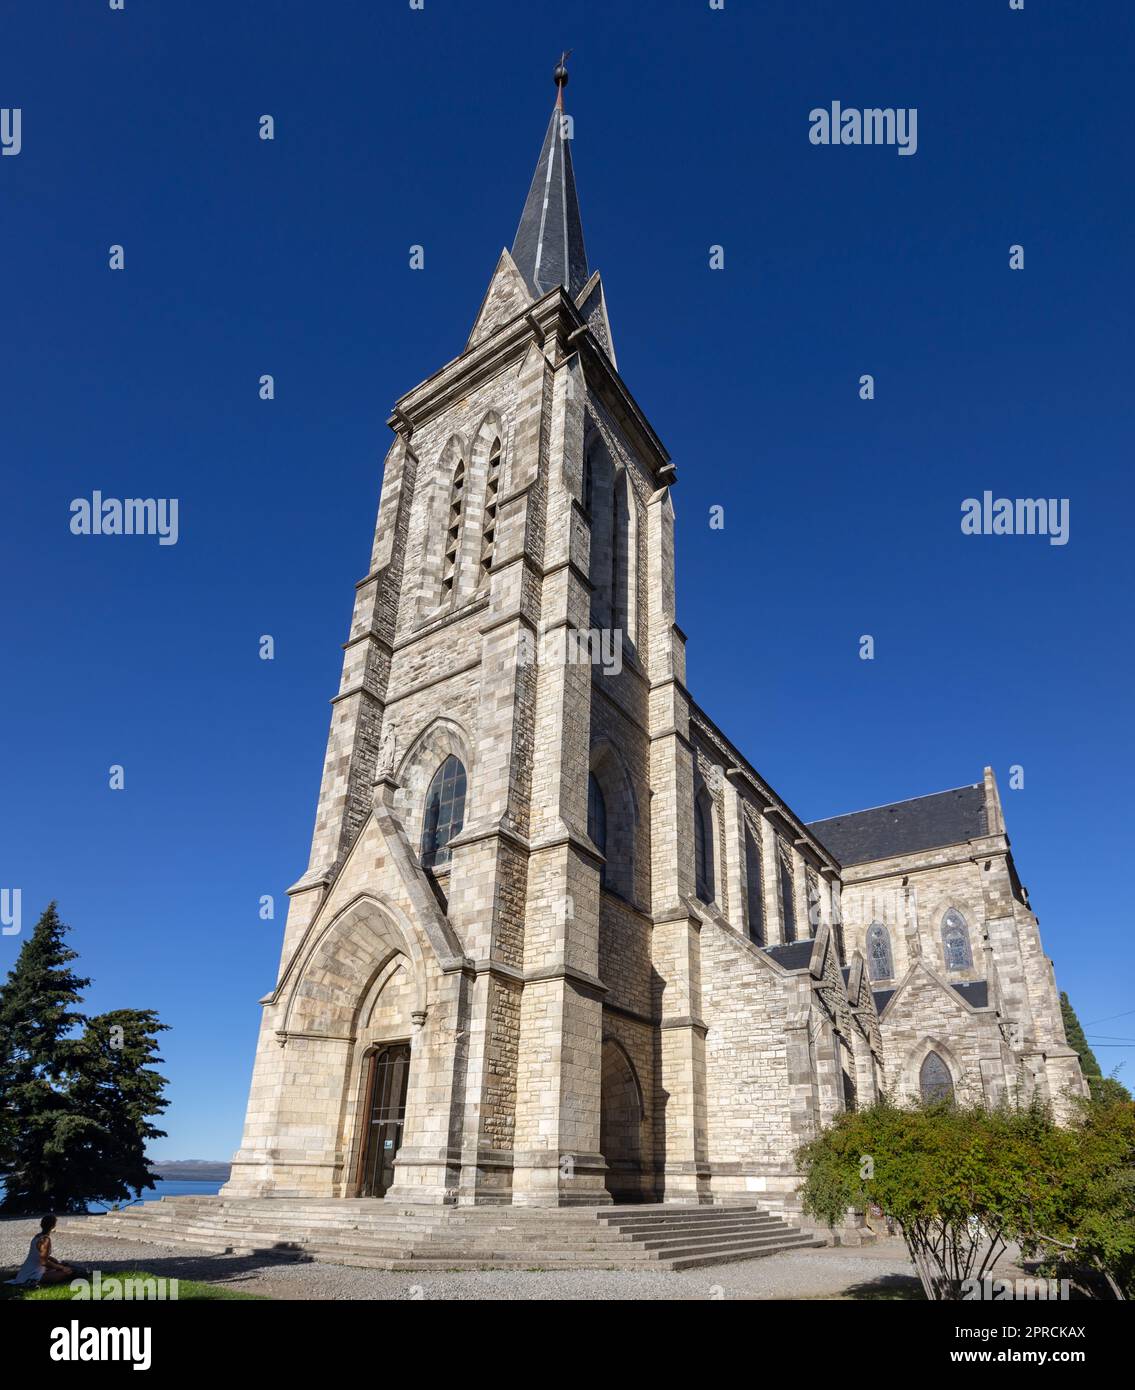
489 521
880 966
934 1079
597 819
445 812
755 893
703 848
955 941
453 530
787 900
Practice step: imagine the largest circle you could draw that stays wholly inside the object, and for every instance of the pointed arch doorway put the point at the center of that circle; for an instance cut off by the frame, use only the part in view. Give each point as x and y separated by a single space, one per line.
621 1124
384 1117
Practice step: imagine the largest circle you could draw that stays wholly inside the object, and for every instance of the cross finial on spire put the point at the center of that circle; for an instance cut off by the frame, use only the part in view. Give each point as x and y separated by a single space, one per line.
560 78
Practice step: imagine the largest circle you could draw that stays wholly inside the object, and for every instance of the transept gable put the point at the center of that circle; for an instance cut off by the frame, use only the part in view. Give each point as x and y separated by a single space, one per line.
921 972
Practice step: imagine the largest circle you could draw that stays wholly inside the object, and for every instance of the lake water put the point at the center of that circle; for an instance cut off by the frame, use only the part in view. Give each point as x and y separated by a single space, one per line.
175 1187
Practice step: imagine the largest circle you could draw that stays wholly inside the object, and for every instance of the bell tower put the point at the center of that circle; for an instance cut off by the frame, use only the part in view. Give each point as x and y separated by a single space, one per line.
439 990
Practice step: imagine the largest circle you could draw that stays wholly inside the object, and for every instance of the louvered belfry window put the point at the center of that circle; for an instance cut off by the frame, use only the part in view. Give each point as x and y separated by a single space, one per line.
453 530
489 523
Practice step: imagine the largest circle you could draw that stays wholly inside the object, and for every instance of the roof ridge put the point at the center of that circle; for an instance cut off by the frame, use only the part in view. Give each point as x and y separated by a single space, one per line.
965 787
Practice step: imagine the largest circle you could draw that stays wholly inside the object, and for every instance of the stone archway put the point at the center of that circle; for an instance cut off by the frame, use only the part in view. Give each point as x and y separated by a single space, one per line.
359 982
621 1119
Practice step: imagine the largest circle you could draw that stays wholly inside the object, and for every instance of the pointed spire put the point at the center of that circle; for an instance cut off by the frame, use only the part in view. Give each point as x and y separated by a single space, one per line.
548 248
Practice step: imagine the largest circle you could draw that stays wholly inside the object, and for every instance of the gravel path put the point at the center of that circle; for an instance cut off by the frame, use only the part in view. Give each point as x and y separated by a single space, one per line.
873 1271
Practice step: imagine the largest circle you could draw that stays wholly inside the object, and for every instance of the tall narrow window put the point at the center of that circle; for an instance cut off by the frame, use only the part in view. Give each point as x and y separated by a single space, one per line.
847 1068
445 812
955 941
934 1079
879 963
618 554
787 900
597 820
815 912
755 889
703 848
453 530
489 522
588 479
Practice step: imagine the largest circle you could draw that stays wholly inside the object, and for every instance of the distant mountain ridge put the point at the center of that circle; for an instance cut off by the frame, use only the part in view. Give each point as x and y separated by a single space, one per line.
188 1169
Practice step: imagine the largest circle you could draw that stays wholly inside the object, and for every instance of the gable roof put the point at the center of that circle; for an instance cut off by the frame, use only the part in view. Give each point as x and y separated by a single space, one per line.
905 827
974 992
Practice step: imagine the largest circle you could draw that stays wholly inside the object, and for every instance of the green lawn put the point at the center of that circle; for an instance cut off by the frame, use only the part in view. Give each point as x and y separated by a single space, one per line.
188 1290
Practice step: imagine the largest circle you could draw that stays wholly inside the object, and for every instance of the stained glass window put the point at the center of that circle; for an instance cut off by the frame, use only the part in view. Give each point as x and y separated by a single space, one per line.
445 812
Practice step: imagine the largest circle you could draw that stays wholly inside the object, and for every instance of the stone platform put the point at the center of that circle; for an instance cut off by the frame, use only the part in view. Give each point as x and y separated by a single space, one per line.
380 1235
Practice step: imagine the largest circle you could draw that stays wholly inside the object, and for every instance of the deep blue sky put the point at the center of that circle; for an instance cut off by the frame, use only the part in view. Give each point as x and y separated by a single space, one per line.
396 127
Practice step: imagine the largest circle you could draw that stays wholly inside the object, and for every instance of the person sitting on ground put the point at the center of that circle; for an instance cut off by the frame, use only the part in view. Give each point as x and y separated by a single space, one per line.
40 1267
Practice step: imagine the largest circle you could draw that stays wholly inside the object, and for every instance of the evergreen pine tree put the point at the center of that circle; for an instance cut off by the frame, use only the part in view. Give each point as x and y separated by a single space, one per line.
38 1051
115 1091
1102 1088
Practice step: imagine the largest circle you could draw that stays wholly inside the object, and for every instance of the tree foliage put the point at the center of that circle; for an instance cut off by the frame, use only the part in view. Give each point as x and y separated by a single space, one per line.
962 1182
76 1094
1103 1088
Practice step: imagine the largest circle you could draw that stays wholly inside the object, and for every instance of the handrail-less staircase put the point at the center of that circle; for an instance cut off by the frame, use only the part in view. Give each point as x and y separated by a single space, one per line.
380 1235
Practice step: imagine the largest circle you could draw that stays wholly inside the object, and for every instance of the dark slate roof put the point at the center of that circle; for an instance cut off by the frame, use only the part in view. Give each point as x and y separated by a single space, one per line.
793 955
905 827
975 993
548 249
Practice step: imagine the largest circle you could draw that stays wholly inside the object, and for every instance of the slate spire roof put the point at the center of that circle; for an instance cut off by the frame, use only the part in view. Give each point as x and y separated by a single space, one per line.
548 248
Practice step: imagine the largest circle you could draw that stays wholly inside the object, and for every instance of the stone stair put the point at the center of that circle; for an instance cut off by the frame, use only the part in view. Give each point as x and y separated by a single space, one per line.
379 1235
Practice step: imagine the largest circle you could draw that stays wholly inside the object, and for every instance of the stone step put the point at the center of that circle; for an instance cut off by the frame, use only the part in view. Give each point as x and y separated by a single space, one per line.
714 1213
721 1257
636 1228
488 1245
372 1234
690 1245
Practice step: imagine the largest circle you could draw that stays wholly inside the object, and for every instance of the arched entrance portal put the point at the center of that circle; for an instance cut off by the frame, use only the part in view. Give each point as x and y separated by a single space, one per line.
620 1124
384 1117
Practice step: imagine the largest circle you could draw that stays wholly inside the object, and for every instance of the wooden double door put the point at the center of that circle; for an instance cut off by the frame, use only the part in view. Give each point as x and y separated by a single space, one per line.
384 1117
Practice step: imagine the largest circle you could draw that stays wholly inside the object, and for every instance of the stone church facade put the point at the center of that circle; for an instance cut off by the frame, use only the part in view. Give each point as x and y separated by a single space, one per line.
558 942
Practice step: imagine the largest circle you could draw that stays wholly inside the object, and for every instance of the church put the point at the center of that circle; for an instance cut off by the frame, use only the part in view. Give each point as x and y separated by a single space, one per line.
558 943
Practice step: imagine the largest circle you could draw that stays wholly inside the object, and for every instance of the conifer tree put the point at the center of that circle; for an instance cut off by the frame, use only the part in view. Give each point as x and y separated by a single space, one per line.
38 1050
114 1092
75 1106
1102 1088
